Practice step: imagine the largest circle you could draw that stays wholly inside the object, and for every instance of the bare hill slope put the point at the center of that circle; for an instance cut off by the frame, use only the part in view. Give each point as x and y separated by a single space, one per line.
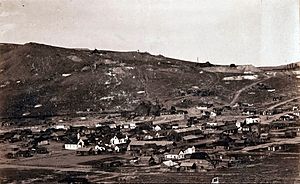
42 80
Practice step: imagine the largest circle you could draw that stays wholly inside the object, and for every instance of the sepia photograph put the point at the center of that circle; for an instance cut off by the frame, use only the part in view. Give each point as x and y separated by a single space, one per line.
149 91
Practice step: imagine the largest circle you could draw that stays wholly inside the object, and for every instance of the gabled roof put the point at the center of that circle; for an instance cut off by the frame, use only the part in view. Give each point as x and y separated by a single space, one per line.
187 164
229 127
199 155
182 130
71 140
175 151
86 149
170 163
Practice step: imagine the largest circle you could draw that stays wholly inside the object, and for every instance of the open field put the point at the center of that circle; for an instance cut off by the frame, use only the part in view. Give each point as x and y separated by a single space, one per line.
278 168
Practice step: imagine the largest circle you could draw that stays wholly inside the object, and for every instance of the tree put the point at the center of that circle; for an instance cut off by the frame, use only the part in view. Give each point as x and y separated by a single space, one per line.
173 110
207 64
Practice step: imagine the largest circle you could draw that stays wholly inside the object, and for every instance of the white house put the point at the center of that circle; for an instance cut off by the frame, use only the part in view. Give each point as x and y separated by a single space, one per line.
60 127
157 128
271 90
296 113
147 137
252 119
74 146
175 155
213 114
126 126
43 142
190 150
111 125
132 125
212 124
175 126
170 163
246 129
215 180
115 140
238 124
201 107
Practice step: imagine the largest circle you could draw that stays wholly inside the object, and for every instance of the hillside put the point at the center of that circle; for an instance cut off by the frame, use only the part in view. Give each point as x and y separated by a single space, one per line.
39 80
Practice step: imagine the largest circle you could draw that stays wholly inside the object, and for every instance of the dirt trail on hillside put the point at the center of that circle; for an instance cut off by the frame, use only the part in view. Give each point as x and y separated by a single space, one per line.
238 93
284 102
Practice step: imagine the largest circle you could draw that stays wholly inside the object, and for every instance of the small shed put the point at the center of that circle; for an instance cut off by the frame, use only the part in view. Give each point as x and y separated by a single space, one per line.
84 151
188 166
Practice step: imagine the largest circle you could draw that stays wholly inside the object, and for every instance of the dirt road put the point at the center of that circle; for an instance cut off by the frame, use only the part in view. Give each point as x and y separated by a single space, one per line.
238 93
284 102
295 140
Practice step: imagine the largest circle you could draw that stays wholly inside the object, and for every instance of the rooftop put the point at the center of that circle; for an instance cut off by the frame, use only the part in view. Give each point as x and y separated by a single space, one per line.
187 164
187 129
159 143
190 137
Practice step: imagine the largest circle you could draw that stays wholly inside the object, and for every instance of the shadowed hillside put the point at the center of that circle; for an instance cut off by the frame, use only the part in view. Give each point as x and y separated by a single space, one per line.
41 80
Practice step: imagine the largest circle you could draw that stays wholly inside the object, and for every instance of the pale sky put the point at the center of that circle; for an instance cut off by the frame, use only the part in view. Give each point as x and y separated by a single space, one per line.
259 32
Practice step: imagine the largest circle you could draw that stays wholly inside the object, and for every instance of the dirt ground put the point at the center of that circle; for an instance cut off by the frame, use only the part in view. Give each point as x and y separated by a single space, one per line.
65 159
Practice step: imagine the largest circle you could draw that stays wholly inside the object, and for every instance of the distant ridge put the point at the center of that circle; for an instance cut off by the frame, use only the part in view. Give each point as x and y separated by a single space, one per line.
291 66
